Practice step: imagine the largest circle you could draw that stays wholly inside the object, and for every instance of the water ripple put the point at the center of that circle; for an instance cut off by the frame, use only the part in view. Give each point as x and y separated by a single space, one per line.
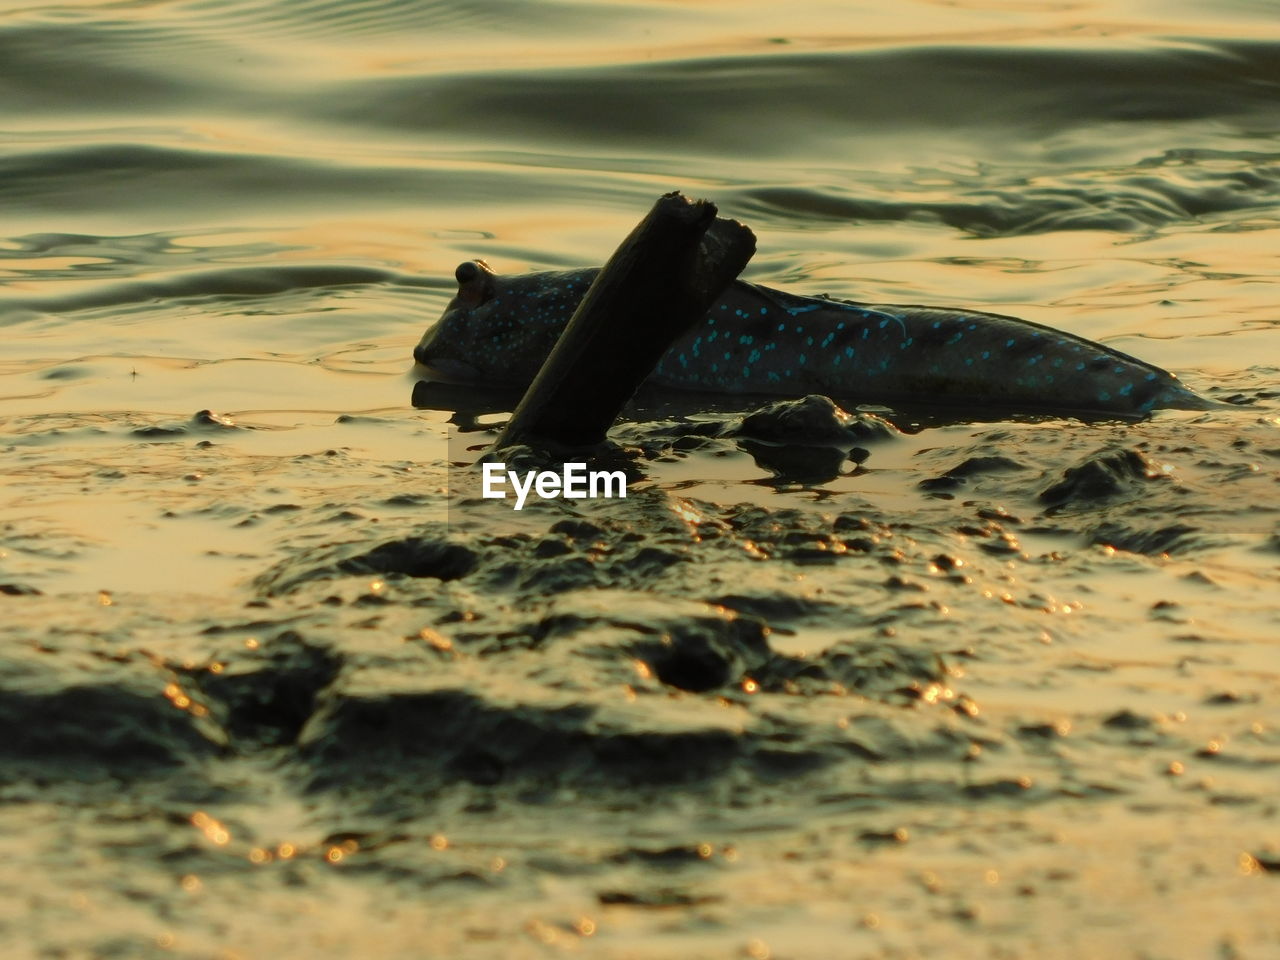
1178 187
790 104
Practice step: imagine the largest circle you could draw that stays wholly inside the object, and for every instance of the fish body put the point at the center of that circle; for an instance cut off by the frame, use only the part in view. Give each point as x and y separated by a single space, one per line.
756 340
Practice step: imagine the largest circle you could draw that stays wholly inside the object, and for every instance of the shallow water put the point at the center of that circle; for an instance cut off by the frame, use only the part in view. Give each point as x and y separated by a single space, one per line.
275 683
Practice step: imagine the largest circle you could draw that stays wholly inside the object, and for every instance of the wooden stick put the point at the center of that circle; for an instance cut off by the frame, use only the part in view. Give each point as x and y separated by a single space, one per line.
662 278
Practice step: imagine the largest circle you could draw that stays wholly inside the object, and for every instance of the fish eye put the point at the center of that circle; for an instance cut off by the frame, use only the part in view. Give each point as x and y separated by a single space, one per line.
475 282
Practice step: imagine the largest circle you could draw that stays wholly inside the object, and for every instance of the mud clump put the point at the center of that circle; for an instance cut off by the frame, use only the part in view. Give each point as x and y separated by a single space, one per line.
557 575
72 720
812 421
417 557
873 669
450 734
19 590
414 557
263 699
1162 540
959 475
808 440
203 421
1103 476
697 649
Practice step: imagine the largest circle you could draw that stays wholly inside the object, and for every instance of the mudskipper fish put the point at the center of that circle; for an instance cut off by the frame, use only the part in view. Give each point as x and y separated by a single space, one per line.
498 331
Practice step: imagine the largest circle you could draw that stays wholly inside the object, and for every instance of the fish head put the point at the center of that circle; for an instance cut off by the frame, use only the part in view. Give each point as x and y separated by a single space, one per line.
497 331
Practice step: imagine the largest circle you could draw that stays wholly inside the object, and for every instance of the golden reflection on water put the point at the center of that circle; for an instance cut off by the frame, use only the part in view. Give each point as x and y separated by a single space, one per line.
436 640
214 830
936 693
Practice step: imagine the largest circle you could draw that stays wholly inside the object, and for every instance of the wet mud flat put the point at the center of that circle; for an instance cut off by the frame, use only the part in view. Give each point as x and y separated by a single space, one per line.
991 689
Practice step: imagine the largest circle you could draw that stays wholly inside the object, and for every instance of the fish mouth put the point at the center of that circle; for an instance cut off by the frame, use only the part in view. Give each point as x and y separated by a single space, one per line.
445 368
